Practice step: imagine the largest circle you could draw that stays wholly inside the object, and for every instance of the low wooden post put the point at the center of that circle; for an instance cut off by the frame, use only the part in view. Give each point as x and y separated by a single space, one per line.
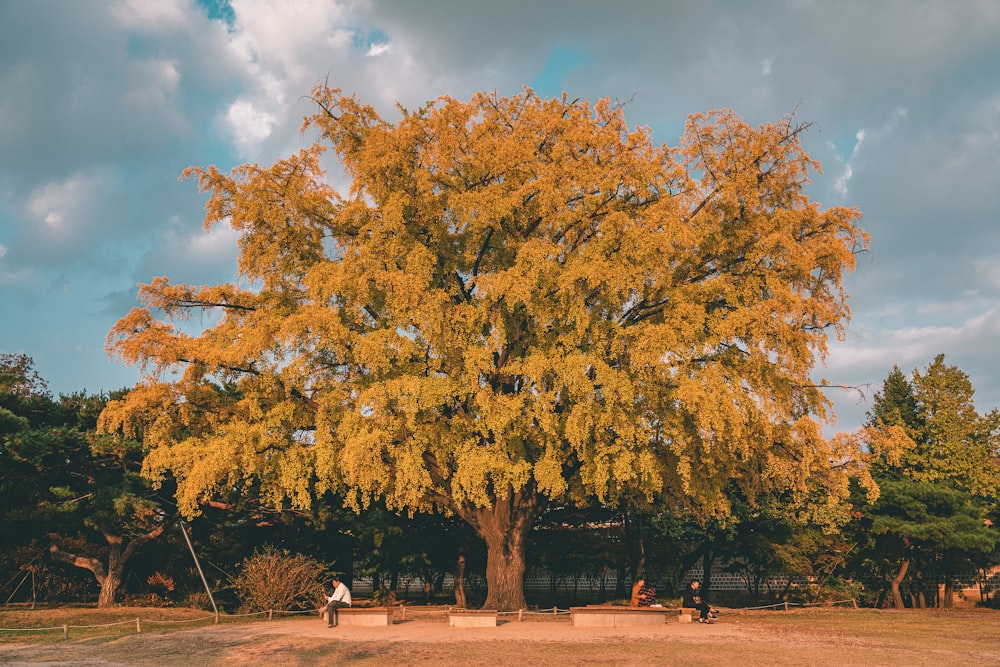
65 632
270 614
138 628
786 605
520 615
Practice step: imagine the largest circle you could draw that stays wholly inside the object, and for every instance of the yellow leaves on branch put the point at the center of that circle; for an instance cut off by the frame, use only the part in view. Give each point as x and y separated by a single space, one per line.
514 293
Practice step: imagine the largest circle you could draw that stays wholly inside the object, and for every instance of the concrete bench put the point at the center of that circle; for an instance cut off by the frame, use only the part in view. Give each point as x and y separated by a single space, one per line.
366 616
472 618
612 616
686 614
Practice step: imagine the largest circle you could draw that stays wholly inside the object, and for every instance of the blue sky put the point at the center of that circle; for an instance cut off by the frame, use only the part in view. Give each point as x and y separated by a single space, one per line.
105 103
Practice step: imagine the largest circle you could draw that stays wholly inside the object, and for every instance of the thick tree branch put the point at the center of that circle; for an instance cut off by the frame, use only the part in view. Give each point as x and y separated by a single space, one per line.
196 303
482 251
85 562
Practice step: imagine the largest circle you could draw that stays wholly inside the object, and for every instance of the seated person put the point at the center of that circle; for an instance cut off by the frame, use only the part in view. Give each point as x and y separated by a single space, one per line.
636 592
647 596
694 600
341 598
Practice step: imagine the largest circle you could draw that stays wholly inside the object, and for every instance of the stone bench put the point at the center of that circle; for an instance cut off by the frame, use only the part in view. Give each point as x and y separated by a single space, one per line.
365 616
472 618
612 616
686 614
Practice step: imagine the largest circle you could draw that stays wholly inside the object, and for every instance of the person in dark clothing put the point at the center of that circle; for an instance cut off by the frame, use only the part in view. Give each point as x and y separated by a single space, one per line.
694 600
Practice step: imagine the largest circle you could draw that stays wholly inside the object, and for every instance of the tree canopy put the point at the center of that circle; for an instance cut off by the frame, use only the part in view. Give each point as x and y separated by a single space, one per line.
516 300
62 484
939 485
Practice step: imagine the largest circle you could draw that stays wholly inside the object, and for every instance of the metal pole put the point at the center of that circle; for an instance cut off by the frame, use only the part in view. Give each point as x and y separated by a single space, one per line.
198 566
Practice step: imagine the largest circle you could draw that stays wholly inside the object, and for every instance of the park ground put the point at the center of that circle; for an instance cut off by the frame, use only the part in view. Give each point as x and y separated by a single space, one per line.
818 637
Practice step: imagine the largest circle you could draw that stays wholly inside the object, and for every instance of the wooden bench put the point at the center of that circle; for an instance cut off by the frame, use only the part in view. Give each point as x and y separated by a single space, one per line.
612 616
364 616
472 618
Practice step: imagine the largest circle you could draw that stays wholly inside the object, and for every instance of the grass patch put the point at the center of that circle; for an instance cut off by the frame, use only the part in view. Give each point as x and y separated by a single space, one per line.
52 624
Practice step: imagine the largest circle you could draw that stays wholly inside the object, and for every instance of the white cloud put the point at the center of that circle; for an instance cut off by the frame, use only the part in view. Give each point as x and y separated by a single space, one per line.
283 50
153 91
283 37
872 352
892 123
248 124
62 206
840 184
219 241
151 14
864 361
142 88
191 255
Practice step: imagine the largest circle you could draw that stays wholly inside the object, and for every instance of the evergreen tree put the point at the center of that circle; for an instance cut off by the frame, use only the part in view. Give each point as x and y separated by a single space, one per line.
934 497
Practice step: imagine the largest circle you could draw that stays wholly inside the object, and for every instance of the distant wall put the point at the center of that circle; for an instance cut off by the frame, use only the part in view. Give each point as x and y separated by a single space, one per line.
726 588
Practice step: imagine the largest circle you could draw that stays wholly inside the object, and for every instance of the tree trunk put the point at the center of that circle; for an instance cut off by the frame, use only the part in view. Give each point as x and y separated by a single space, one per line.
114 577
897 598
109 587
111 577
505 572
706 573
460 582
505 527
95 566
948 599
949 582
634 543
921 599
620 581
687 561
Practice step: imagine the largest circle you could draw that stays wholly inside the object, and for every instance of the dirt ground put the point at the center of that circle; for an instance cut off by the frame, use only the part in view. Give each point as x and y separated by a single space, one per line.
746 641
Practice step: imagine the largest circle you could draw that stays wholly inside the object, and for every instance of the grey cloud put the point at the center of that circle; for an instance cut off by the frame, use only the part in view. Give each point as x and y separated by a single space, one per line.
125 109
89 92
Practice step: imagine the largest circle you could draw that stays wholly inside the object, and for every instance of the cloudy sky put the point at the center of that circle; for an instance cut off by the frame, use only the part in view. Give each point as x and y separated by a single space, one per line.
104 102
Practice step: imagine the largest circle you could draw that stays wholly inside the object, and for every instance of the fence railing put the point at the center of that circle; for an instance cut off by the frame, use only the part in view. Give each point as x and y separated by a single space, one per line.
140 624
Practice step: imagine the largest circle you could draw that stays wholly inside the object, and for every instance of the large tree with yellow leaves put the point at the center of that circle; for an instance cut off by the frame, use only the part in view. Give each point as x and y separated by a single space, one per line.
518 301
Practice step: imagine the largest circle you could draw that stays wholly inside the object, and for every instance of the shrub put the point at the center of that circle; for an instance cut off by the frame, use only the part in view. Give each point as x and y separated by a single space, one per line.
198 600
833 590
277 579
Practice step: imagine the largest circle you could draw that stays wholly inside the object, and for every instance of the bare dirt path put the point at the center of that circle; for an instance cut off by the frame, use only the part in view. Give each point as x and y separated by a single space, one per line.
746 641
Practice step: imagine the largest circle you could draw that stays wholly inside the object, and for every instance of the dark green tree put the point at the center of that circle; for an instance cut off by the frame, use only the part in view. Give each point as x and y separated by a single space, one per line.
956 445
63 484
113 505
935 495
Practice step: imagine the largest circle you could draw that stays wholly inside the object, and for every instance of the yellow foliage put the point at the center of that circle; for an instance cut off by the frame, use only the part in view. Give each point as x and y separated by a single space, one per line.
515 294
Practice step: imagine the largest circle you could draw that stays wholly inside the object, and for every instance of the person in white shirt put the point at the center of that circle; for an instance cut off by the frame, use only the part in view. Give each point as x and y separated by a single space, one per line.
341 598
